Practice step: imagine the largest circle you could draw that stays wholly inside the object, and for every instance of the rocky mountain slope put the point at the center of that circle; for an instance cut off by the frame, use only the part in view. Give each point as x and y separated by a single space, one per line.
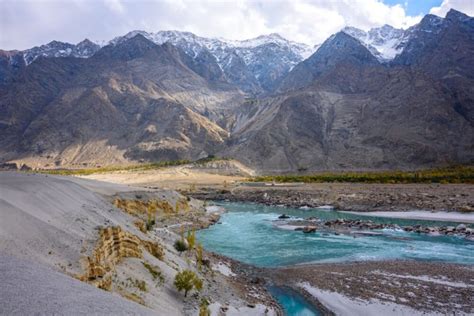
343 109
135 100
381 99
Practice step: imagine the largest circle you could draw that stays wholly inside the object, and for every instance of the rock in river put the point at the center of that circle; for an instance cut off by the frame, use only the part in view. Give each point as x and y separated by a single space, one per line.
309 229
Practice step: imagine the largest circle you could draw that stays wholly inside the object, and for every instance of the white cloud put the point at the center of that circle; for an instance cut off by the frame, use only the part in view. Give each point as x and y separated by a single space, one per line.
26 23
115 5
465 6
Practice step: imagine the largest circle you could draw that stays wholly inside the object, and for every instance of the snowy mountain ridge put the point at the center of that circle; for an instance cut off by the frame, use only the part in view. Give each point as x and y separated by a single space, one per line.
84 49
383 42
217 46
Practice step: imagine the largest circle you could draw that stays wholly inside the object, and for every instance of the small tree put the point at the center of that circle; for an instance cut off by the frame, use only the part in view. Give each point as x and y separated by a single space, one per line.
187 280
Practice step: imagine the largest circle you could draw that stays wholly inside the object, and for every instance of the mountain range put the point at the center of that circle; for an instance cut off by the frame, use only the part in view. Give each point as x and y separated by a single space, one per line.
383 99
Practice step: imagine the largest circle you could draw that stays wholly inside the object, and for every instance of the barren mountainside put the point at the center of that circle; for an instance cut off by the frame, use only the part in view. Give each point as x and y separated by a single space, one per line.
381 99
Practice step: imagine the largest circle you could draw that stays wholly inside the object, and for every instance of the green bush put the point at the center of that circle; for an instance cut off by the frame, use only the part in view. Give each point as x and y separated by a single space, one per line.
180 245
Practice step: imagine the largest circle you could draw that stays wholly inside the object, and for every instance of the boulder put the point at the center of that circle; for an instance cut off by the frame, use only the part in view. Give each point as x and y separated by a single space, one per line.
309 229
283 216
461 227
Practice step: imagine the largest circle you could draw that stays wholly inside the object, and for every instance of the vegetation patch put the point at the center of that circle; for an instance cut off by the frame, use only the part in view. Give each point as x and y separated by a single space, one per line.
458 174
187 280
136 167
139 167
210 158
204 308
139 284
154 249
132 297
146 210
155 272
180 245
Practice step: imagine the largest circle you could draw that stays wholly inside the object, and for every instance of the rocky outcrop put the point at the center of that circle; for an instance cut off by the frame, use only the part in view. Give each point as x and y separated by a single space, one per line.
113 245
367 227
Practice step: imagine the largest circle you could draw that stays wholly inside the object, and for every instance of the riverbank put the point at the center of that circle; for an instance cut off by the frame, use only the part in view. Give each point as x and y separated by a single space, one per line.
358 197
384 287
382 281
394 287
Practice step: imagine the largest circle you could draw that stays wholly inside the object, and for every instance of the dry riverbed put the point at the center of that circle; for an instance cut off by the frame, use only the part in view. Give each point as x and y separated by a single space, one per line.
387 287
398 287
357 197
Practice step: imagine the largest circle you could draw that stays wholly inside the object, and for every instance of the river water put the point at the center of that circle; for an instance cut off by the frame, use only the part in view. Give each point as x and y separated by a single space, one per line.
247 233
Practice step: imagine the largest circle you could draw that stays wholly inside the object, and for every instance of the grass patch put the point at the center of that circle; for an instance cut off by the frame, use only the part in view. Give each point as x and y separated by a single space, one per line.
155 272
458 174
138 167
89 171
210 158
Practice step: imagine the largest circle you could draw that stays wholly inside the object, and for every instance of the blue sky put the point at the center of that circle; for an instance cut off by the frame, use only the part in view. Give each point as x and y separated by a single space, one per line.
416 7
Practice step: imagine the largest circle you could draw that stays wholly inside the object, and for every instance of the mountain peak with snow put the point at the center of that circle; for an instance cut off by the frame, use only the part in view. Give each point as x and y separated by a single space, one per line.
383 42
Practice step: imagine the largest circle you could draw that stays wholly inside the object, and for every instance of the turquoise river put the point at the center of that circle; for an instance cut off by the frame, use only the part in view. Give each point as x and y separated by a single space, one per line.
246 232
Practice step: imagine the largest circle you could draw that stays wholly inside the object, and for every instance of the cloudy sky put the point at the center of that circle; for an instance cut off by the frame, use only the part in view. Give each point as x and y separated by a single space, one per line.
27 23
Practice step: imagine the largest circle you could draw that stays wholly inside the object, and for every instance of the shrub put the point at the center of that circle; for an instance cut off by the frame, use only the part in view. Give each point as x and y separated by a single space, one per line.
203 308
180 245
191 239
149 224
187 280
151 212
199 255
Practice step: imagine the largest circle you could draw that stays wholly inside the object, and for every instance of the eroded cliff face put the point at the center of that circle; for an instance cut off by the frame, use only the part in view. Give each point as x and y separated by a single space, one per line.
113 245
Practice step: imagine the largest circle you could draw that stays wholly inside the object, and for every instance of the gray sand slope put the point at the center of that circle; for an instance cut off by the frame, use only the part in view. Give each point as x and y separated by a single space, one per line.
32 289
49 221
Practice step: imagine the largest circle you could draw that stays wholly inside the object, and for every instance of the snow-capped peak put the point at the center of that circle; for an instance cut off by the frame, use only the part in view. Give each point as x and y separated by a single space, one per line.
383 42
215 45
83 49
